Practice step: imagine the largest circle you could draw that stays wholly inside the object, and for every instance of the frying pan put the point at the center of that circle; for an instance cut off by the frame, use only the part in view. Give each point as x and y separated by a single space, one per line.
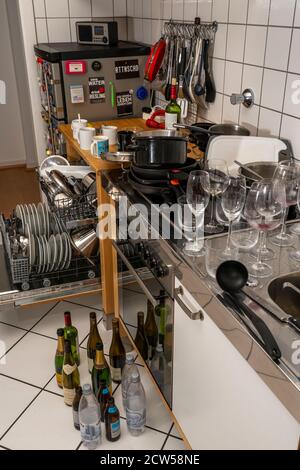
162 189
155 60
162 173
217 129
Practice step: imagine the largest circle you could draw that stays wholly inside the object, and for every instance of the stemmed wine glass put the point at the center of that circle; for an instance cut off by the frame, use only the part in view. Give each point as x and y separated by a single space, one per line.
233 201
218 179
263 210
288 172
197 196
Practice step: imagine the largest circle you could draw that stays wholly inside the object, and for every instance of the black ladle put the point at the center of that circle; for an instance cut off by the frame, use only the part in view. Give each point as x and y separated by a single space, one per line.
232 277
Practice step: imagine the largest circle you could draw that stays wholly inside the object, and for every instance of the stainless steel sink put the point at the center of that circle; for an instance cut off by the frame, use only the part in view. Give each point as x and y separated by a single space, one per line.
285 292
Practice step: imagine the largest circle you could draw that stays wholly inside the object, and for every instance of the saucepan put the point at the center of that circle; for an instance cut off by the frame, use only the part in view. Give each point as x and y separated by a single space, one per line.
264 170
217 129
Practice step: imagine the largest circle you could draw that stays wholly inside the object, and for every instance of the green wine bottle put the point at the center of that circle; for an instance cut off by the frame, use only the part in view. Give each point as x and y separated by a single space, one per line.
94 339
140 339
71 379
59 357
151 330
100 370
173 110
71 334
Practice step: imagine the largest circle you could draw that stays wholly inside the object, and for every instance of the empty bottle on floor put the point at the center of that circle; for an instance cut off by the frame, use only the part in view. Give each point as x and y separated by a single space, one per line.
141 341
100 370
89 418
136 406
75 407
151 330
71 378
128 370
71 334
59 357
160 369
103 397
117 354
112 421
94 339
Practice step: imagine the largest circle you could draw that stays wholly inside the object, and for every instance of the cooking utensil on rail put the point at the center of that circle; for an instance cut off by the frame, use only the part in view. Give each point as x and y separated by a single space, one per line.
209 83
232 277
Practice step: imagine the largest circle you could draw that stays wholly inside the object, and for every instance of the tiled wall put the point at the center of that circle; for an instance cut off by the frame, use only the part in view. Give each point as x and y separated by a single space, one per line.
55 19
257 46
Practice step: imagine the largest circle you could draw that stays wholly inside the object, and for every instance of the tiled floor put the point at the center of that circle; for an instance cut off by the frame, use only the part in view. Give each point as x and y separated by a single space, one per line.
33 414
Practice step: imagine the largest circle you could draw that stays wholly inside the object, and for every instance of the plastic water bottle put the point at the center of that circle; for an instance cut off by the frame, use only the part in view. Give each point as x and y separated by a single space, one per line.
89 418
128 370
136 405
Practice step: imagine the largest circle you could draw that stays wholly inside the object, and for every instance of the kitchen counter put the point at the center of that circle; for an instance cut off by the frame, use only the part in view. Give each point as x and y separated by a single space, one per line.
281 379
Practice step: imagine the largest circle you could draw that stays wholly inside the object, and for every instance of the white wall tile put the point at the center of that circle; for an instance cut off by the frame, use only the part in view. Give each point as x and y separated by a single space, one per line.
230 112
39 8
156 30
282 12
122 28
59 30
220 42
57 8
167 9
249 118
292 96
233 78
269 123
80 8
290 129
238 11
220 10
205 9
297 15
138 29
147 31
252 78
190 10
146 9
278 46
214 111
218 72
295 56
157 7
177 10
102 8
130 7
236 42
273 89
138 8
41 29
258 12
120 8
255 45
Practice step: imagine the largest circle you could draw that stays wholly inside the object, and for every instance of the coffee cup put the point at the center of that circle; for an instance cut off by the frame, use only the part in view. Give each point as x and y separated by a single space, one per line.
78 124
86 137
112 133
99 145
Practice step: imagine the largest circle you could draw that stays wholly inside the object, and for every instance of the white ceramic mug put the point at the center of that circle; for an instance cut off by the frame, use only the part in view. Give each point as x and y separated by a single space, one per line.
112 133
86 137
100 145
76 126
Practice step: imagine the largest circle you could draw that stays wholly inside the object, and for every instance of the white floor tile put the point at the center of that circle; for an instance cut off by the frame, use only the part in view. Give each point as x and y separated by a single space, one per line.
31 360
24 318
106 337
157 415
46 425
174 432
9 335
174 444
15 396
90 301
149 440
55 319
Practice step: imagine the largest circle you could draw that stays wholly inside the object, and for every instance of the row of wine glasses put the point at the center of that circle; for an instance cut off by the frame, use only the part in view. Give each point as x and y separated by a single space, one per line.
264 209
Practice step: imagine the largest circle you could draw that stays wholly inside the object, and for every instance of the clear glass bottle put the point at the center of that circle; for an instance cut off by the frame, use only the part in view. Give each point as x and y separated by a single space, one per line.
89 418
136 406
128 370
160 369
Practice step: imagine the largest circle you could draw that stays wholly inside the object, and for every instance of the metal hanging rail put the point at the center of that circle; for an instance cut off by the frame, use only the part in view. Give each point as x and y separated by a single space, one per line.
172 29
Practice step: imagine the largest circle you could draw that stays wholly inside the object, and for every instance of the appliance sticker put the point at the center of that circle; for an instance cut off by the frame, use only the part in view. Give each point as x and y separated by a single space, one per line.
97 90
127 69
77 94
125 103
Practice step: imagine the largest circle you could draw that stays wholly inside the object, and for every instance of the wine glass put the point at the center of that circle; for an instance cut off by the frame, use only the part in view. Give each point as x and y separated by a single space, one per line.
197 196
263 211
233 201
218 179
295 254
288 172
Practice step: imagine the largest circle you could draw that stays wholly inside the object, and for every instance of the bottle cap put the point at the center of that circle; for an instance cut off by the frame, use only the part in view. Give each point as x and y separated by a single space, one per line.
60 332
86 389
174 82
68 318
93 316
99 347
130 359
141 315
78 390
135 377
159 348
111 401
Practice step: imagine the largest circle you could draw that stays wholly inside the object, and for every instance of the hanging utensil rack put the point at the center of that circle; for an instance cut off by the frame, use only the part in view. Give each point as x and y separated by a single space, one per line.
173 29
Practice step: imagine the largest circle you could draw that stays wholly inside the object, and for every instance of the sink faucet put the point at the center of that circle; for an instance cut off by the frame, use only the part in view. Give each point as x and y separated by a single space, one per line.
291 286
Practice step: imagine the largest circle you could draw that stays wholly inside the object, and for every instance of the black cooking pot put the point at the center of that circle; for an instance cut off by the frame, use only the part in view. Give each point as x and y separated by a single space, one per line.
159 148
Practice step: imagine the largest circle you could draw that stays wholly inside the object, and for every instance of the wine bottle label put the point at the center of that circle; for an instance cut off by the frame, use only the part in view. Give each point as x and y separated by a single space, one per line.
68 369
115 429
116 374
76 419
135 420
90 432
171 118
59 379
69 395
90 364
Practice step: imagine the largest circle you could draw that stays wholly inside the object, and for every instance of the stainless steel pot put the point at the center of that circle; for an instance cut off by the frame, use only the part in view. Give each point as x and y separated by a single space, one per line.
265 169
217 129
85 242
